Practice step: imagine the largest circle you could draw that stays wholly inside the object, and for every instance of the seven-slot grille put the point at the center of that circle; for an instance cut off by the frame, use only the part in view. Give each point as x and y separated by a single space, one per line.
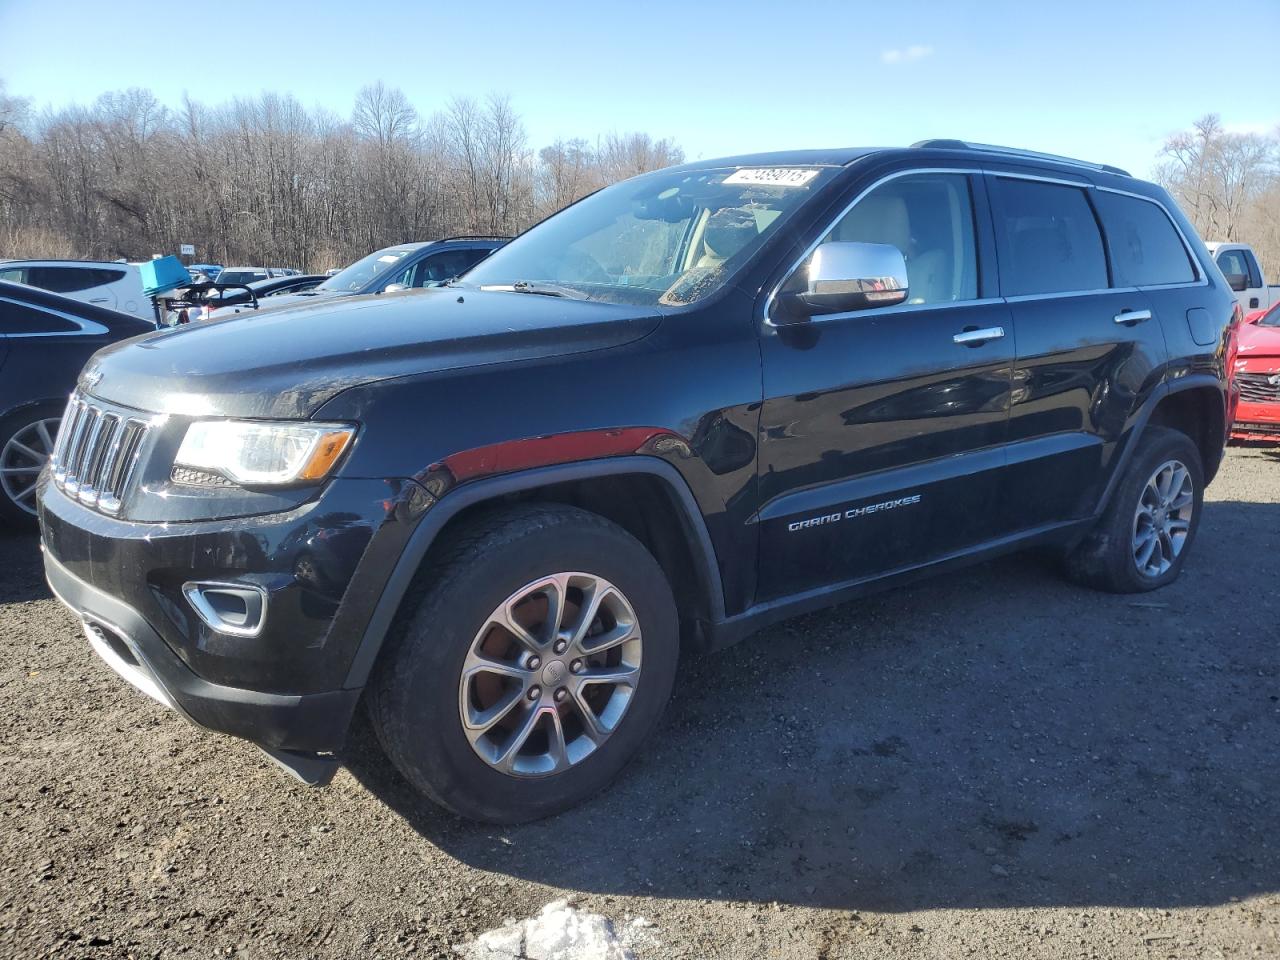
96 453
1258 387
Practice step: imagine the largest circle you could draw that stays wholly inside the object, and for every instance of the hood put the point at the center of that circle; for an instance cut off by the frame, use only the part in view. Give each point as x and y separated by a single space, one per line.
1255 340
287 363
285 300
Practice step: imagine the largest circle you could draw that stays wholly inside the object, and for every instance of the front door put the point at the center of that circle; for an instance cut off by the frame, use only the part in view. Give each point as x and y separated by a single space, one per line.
882 430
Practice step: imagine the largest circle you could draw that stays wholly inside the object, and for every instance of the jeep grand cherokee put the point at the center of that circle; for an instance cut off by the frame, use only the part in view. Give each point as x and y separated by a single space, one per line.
696 402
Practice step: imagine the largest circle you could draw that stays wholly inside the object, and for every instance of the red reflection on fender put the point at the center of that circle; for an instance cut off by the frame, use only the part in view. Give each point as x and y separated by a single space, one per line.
544 451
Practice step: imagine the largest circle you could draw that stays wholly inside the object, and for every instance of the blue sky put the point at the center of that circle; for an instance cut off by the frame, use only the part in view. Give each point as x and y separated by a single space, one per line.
1101 81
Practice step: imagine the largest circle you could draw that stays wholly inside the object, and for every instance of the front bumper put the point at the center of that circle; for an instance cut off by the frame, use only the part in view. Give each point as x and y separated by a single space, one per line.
319 569
119 635
1256 421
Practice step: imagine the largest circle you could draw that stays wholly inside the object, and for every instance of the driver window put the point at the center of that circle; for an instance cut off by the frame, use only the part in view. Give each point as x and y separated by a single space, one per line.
929 218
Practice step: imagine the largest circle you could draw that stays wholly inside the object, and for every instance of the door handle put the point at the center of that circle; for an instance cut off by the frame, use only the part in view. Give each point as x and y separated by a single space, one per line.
99 299
1131 317
976 338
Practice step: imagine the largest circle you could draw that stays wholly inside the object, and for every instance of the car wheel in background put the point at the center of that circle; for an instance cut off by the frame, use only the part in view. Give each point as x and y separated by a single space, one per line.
26 442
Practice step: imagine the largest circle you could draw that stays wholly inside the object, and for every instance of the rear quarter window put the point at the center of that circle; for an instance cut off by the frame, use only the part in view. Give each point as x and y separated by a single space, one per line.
72 279
1049 237
1145 247
18 320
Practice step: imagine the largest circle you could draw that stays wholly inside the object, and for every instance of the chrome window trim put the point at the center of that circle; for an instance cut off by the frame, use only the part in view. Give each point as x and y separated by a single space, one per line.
1040 178
1062 294
90 327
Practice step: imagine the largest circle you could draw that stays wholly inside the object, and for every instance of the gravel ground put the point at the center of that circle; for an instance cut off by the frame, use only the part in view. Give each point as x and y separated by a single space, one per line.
991 764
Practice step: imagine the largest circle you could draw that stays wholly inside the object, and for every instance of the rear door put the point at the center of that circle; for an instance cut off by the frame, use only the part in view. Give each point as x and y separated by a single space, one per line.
1088 352
882 434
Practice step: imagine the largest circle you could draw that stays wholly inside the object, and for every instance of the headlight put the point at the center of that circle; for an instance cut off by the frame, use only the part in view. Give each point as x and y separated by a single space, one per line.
253 452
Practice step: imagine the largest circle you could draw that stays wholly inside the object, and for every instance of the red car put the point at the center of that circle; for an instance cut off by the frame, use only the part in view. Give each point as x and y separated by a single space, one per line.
1258 377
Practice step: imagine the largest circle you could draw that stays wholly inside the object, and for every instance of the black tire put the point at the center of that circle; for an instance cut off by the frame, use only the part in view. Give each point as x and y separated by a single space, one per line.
414 694
11 426
1105 559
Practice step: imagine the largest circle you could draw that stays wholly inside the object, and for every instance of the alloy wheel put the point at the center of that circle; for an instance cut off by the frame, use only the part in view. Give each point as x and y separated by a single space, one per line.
550 674
23 457
1162 520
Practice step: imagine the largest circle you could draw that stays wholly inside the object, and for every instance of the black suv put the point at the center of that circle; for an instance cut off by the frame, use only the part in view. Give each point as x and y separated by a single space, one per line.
692 404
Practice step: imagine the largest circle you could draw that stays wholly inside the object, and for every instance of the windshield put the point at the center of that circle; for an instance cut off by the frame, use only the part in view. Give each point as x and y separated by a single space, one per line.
670 238
360 274
1271 318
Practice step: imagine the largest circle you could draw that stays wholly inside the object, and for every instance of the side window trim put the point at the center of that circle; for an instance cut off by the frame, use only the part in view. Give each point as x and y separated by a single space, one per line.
89 327
981 225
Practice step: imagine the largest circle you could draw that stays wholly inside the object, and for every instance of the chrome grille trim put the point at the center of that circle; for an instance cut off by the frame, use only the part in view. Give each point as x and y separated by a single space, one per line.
1257 387
96 453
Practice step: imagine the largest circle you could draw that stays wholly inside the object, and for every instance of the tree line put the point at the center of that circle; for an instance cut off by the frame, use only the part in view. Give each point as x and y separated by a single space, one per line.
267 181
1228 183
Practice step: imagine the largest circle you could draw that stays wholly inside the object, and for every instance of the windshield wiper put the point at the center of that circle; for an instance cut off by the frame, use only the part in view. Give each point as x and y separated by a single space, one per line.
538 289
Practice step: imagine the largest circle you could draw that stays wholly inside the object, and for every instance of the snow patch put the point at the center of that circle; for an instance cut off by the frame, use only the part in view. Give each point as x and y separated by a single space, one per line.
559 932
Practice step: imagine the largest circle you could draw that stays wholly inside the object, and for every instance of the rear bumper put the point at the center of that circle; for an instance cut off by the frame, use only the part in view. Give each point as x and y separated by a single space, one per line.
129 645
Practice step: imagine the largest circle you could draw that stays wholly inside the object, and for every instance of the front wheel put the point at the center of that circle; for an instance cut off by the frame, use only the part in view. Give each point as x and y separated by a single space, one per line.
541 654
1142 540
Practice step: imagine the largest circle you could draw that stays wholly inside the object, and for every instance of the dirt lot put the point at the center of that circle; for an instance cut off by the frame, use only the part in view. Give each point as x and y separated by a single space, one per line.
991 764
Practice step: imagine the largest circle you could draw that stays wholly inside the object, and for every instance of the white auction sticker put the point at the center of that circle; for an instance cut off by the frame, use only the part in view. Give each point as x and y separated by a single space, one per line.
772 176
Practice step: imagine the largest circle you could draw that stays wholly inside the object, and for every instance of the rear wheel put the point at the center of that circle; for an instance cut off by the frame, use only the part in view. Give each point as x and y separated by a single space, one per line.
541 654
1142 540
26 443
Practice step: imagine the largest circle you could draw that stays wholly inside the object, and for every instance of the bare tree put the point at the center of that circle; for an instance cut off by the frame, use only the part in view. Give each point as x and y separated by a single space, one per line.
1222 180
265 180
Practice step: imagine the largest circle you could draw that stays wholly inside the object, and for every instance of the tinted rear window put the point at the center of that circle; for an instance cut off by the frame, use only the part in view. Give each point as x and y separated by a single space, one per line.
1050 240
72 279
17 319
1145 246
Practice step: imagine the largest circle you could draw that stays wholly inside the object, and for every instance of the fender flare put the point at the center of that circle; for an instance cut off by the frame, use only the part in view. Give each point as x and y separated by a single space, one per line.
469 494
1195 381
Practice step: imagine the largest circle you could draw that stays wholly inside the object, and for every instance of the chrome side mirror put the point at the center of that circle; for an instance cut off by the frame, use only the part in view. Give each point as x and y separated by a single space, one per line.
846 275
394 288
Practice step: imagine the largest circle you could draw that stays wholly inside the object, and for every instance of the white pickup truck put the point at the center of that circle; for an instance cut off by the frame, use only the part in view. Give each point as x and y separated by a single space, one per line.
1239 265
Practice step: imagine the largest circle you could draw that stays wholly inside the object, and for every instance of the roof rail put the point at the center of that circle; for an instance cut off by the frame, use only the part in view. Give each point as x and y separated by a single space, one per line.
1015 152
474 236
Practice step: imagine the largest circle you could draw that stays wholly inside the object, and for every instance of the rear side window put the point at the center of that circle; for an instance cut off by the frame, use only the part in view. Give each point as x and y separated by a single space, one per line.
17 319
71 279
1145 247
1050 240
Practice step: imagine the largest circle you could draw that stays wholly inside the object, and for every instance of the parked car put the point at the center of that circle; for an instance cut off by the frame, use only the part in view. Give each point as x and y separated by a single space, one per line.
1257 377
1239 264
210 270
115 285
401 267
247 274
687 406
232 301
44 341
